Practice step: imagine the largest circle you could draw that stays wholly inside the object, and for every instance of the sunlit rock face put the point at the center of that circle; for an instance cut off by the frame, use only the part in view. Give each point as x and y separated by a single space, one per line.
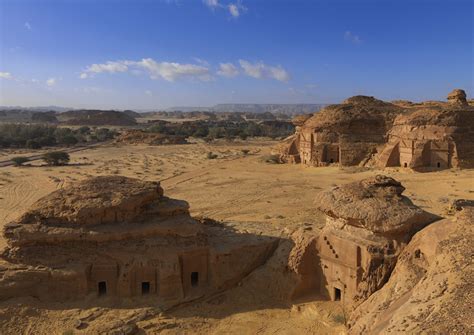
345 134
368 132
120 237
368 223
431 136
430 288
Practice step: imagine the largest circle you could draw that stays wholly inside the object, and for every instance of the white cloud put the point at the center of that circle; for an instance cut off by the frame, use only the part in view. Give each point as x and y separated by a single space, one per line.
6 75
212 3
51 82
27 25
169 71
172 71
260 70
109 67
227 70
234 10
351 37
149 93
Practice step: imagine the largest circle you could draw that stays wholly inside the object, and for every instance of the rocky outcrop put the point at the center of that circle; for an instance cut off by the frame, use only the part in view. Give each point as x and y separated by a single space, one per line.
288 149
375 204
457 97
369 132
431 288
102 200
346 133
427 137
299 120
368 223
121 237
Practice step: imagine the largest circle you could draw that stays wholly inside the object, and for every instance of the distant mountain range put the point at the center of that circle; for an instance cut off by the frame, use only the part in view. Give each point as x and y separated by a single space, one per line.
254 108
273 108
242 108
38 109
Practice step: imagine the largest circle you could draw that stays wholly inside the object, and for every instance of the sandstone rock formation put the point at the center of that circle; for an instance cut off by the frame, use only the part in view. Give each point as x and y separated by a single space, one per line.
121 237
431 288
288 149
435 136
142 137
346 133
368 223
369 132
457 97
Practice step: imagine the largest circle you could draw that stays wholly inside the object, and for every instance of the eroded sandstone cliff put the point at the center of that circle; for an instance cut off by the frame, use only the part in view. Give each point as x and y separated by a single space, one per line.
118 237
431 288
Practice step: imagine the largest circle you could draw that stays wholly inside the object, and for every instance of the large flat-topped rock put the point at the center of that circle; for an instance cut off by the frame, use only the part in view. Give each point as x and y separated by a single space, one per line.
102 209
375 203
344 118
99 200
121 237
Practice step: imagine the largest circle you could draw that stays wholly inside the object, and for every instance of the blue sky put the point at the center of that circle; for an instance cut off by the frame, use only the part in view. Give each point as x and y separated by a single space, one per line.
144 54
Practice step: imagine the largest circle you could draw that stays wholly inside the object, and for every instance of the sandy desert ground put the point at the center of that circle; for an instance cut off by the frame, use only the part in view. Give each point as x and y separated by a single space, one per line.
243 190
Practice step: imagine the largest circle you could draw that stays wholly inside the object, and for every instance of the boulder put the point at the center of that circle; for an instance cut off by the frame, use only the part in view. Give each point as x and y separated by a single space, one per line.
375 204
431 288
457 97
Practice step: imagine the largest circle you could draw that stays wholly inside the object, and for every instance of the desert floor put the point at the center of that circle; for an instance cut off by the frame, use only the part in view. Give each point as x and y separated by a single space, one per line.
245 191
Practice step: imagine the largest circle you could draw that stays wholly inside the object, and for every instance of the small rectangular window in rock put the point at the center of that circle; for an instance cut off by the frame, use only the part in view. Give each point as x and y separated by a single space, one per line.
194 279
102 288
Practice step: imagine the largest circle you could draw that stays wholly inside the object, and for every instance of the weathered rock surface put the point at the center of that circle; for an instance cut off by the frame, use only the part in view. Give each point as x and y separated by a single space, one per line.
346 133
101 209
299 120
368 223
439 136
369 132
375 204
121 237
101 200
457 97
431 288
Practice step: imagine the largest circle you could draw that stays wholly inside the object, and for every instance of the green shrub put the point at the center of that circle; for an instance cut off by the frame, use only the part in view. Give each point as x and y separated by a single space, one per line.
69 140
211 155
32 144
84 130
35 136
272 159
339 318
19 161
56 158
